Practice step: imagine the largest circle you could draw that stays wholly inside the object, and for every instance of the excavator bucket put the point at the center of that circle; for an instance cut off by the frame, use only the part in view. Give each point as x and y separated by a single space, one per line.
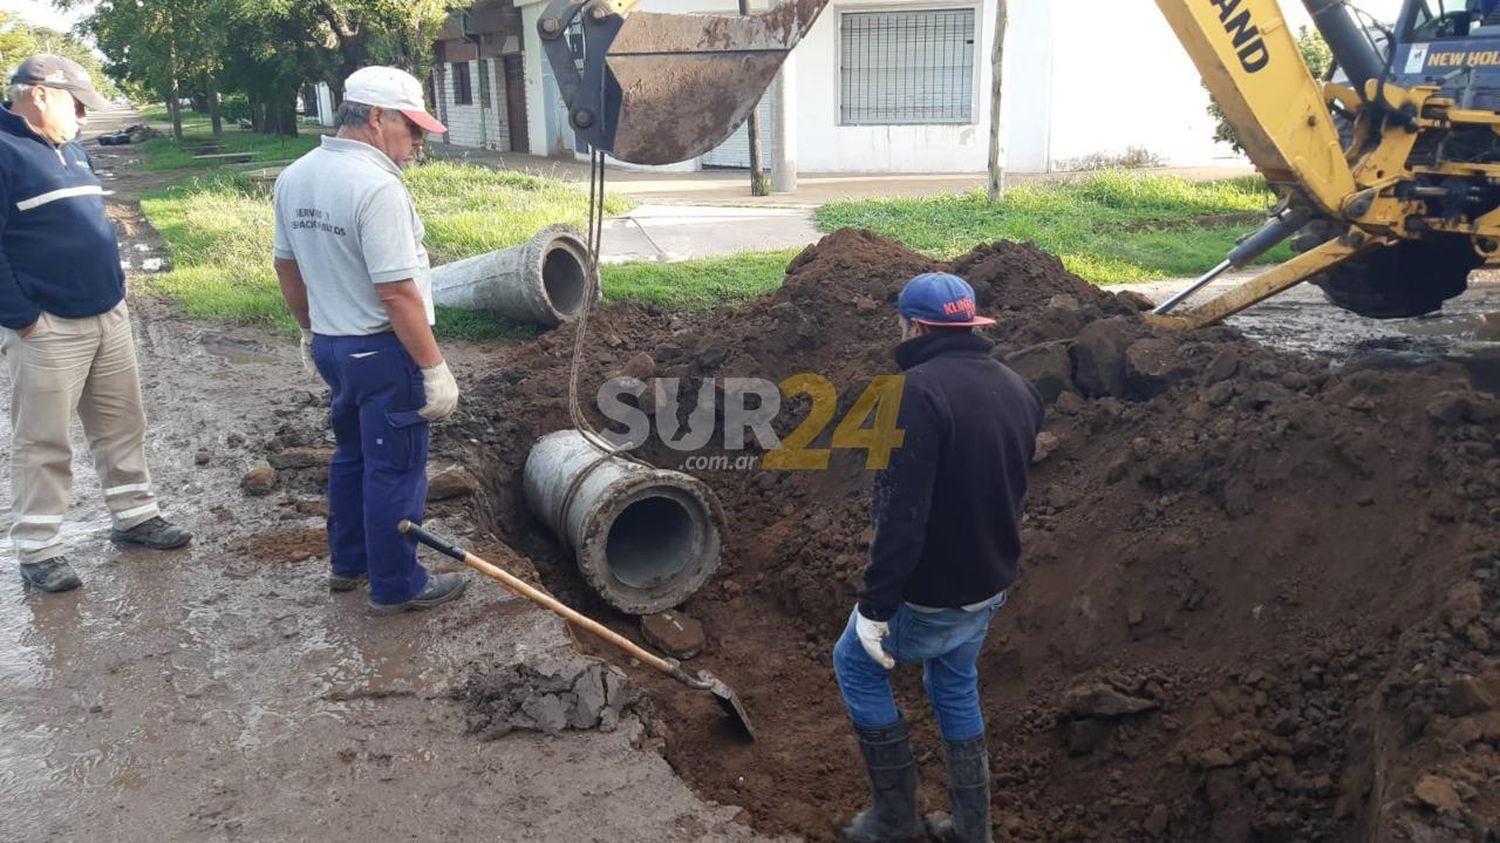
657 88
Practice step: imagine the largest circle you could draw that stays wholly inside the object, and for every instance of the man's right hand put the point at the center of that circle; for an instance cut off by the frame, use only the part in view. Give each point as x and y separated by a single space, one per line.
305 349
871 635
441 390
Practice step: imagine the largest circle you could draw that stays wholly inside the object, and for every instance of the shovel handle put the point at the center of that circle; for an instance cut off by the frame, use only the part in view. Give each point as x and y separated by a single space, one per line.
544 600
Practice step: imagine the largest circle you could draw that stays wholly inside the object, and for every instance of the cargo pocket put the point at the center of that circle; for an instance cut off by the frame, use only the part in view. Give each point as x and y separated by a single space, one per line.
402 445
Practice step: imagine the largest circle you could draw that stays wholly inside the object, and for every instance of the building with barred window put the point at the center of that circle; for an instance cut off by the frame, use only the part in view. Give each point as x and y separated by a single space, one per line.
477 86
884 86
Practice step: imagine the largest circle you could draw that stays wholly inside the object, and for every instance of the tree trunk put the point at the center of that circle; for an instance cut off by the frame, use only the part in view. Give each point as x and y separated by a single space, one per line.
997 87
214 114
174 109
286 115
758 184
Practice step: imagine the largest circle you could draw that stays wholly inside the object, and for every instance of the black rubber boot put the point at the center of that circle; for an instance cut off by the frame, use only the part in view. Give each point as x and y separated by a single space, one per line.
893 785
968 794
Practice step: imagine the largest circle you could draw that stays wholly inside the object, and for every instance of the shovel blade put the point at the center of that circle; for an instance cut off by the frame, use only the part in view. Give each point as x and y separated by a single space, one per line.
732 706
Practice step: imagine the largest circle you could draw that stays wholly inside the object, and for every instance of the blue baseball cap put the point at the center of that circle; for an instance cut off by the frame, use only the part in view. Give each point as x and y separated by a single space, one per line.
940 300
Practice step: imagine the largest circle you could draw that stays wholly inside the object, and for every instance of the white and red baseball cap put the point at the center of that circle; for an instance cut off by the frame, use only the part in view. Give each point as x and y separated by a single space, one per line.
392 88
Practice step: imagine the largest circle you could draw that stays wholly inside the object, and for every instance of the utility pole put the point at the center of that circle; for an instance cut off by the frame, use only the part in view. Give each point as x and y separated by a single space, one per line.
997 86
758 184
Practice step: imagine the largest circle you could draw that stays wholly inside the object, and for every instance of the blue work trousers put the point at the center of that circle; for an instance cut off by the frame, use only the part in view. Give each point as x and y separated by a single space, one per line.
379 471
946 643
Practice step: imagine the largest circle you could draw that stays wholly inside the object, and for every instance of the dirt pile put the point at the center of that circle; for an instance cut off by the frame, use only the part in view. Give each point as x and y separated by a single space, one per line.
1258 596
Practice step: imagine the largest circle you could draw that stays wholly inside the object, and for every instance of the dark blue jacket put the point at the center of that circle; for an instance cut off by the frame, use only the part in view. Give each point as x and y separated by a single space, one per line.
58 251
947 510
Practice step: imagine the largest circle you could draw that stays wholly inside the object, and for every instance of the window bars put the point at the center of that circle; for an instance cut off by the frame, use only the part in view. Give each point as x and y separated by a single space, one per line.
909 67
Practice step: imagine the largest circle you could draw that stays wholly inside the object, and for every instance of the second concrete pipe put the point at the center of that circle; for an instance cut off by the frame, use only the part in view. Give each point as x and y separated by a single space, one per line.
544 281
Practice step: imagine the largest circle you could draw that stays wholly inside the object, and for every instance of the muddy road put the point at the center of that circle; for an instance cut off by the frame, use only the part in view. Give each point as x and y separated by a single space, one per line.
221 692
1467 330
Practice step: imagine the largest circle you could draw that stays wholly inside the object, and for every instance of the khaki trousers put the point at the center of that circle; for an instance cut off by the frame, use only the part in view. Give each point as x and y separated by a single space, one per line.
67 365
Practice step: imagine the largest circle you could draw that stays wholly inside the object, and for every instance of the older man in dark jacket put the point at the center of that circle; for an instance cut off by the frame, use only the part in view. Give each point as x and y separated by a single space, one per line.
947 515
64 328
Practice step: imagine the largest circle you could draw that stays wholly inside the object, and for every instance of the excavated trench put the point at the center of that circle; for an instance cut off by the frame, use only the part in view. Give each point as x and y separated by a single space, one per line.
1258 597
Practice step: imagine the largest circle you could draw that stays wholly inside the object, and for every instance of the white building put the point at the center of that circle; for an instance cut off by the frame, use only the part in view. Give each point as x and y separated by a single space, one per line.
888 86
476 86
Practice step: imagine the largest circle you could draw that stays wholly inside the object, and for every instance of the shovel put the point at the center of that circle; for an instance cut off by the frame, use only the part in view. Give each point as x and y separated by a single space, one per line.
704 681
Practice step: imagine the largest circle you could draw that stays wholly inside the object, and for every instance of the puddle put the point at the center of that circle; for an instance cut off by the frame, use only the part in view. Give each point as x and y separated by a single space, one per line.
1466 331
238 351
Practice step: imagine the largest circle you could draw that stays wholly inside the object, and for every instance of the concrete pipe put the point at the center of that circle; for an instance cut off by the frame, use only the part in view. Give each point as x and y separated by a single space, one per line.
645 538
544 281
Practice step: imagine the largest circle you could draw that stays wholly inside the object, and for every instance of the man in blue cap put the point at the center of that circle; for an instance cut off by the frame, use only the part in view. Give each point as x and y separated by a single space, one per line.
947 515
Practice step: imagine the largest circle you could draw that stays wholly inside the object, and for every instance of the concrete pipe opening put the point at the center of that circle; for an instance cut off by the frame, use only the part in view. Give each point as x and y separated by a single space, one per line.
545 281
646 539
652 541
565 280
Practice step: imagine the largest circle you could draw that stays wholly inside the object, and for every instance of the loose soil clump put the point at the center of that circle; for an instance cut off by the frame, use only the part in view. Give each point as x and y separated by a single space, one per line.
1258 597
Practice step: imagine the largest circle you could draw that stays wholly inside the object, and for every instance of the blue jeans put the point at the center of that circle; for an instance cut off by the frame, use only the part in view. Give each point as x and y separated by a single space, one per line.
946 643
379 470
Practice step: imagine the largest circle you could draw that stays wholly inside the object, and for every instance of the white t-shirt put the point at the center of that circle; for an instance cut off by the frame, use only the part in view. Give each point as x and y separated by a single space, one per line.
344 216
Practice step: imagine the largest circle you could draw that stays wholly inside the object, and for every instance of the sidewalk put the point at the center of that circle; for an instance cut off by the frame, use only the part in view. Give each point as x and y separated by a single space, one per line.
682 232
732 187
711 212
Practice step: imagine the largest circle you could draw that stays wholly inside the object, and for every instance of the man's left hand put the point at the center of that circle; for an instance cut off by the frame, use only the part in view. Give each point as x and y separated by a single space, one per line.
871 634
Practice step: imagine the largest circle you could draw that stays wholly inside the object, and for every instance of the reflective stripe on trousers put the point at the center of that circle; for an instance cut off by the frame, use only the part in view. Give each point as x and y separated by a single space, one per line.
85 365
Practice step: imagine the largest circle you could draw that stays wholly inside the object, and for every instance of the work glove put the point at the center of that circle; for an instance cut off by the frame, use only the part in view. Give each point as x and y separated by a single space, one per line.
871 633
441 390
305 348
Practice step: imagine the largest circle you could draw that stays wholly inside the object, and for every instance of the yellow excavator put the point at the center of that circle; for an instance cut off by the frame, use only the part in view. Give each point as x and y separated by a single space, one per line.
1387 171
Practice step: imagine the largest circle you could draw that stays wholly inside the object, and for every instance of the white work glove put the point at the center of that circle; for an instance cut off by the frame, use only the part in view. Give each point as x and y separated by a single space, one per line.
442 392
305 348
871 633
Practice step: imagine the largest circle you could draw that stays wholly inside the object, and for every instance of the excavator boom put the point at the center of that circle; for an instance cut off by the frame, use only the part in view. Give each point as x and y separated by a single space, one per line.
1249 60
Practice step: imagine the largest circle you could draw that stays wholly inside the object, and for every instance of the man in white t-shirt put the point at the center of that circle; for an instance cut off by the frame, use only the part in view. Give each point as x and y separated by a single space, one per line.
353 270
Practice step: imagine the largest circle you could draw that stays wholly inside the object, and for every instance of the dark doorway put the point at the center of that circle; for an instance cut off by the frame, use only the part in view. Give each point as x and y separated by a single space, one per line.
515 103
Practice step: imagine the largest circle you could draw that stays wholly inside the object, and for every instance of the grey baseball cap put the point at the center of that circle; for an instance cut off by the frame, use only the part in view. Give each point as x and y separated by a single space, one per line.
53 71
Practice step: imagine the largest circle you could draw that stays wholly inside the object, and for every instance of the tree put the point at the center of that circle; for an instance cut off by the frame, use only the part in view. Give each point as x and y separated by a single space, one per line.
155 44
1315 53
363 28
19 39
997 87
263 50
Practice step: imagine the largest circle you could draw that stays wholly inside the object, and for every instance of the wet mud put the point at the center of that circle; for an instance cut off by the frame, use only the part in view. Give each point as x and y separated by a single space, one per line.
221 692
